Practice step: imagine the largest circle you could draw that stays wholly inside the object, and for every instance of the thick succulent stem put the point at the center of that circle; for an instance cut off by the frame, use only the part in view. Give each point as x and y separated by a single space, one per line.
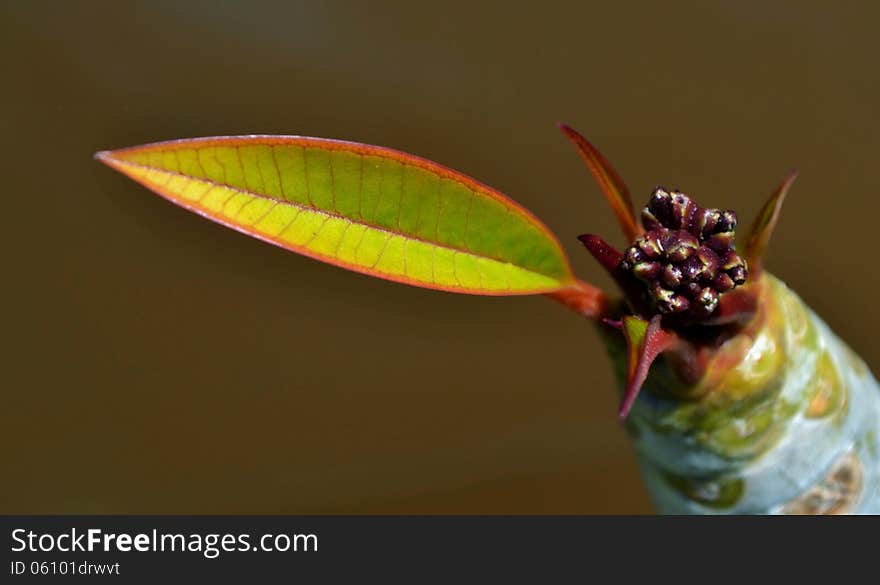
783 420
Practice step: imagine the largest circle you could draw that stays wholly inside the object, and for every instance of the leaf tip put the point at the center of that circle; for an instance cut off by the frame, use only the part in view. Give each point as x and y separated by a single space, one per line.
565 128
110 158
765 223
608 257
612 186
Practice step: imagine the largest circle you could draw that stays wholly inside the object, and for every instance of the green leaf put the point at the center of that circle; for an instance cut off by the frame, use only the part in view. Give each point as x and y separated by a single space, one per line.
369 209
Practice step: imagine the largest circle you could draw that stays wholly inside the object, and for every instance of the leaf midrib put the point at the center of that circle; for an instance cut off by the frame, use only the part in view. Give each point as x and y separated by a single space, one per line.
329 214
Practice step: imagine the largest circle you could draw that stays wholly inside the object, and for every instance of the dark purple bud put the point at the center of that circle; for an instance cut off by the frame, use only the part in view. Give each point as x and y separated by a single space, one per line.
650 244
660 206
705 221
738 275
660 294
679 304
720 242
681 246
731 260
667 301
727 222
707 300
723 283
691 268
692 289
633 256
683 210
646 271
671 276
710 262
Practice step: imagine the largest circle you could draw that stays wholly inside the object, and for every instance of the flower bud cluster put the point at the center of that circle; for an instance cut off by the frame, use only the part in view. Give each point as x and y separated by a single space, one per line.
686 256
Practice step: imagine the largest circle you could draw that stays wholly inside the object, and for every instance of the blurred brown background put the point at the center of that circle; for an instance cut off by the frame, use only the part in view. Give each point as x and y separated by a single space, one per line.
156 362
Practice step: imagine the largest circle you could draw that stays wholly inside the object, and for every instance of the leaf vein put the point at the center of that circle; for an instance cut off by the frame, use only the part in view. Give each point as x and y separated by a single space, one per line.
434 245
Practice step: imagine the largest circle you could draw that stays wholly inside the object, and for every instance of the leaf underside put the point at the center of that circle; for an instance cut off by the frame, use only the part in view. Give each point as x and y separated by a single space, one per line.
369 209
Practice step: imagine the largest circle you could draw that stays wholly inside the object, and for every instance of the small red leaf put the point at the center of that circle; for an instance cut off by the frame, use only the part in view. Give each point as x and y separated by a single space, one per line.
765 223
645 341
609 258
612 185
